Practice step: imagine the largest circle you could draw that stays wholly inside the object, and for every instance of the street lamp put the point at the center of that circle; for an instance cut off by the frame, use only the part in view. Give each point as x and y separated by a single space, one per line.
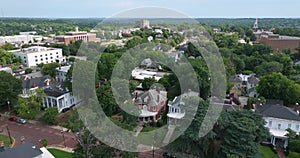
8 106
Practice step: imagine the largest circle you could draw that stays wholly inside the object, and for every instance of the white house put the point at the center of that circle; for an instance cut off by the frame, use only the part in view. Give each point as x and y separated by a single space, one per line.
62 73
279 118
35 55
60 99
175 110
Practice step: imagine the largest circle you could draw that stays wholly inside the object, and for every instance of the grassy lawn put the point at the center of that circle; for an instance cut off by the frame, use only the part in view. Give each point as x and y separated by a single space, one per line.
5 139
294 155
267 152
60 154
147 137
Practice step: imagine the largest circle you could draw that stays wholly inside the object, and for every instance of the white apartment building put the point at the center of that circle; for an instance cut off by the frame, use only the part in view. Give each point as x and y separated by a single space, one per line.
35 55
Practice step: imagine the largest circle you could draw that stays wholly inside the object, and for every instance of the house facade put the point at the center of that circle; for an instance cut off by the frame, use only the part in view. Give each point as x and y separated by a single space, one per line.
151 104
245 84
278 119
176 108
62 73
59 99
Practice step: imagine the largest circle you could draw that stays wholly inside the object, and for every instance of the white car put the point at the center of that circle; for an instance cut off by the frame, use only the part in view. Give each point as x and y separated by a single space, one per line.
20 120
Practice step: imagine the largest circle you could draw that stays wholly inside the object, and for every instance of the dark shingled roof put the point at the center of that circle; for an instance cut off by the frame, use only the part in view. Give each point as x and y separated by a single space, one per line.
38 81
53 93
279 111
28 150
253 80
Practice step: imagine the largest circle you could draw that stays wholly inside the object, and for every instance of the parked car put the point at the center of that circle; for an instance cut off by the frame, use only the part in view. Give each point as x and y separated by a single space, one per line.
13 118
1 130
20 120
168 155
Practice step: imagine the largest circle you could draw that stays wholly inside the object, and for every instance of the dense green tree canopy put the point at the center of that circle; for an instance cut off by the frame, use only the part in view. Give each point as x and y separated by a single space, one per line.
278 86
50 69
10 88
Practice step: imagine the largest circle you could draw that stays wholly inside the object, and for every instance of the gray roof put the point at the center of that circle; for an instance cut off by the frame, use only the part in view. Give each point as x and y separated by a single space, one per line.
253 80
27 150
178 99
53 93
279 111
150 97
236 79
148 63
38 81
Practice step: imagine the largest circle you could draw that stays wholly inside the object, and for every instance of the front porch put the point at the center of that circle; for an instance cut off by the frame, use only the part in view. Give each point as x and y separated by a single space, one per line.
278 138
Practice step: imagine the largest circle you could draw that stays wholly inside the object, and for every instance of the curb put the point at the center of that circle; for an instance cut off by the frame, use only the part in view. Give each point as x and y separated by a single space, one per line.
66 149
14 142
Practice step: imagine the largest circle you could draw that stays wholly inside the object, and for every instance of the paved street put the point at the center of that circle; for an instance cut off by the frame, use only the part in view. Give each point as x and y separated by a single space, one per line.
33 132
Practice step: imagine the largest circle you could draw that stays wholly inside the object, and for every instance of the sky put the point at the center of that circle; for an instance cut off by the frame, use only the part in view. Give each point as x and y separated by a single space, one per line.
191 8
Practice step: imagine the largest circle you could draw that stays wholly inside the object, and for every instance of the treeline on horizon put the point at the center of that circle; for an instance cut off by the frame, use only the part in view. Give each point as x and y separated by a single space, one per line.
44 26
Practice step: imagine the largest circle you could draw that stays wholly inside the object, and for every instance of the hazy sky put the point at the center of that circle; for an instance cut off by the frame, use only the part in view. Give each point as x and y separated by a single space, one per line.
192 8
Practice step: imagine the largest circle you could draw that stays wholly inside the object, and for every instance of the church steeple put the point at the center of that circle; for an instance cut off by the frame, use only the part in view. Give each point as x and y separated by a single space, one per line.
255 26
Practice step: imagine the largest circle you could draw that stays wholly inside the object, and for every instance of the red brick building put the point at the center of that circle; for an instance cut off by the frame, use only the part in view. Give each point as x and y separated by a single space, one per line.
76 36
280 43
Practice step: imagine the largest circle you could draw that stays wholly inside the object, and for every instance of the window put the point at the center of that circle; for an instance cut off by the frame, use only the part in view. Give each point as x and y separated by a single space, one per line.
41 55
46 58
279 126
57 56
50 53
51 57
46 54
289 125
270 123
24 57
35 56
56 52
36 60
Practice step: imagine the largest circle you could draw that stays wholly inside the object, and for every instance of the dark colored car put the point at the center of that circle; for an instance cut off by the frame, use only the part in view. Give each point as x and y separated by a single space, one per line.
13 118
168 155
1 130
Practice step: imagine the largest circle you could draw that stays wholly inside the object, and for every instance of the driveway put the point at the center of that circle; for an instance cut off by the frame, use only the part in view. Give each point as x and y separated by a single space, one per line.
35 132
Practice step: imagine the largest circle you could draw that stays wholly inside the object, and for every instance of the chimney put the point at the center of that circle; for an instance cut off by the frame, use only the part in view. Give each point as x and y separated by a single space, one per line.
76 29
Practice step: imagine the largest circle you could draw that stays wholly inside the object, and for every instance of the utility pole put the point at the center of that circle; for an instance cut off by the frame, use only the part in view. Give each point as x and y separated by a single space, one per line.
9 134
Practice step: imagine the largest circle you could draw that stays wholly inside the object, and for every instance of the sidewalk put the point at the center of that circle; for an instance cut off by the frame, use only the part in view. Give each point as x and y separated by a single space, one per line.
280 152
66 149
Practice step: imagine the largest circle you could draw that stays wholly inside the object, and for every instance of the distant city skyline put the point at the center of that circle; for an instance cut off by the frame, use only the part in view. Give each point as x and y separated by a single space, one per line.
192 8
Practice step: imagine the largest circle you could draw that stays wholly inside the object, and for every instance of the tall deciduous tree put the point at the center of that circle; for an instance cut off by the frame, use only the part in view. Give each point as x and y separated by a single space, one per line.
50 69
10 88
244 132
278 86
